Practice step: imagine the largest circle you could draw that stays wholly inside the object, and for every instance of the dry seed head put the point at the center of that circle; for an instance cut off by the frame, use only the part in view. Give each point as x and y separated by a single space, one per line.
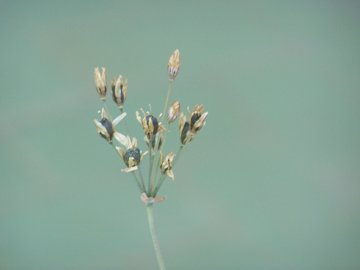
174 65
100 82
184 127
197 118
119 90
150 124
166 164
106 128
173 112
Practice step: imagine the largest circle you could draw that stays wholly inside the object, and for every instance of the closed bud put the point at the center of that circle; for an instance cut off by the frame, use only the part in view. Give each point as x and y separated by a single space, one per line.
100 82
119 90
174 65
173 112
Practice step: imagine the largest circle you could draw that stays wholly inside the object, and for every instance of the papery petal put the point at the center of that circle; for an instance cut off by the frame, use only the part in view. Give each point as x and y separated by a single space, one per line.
124 140
117 120
127 170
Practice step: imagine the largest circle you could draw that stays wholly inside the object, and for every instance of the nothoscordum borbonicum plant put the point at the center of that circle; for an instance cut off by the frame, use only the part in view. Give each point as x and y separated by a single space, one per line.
155 129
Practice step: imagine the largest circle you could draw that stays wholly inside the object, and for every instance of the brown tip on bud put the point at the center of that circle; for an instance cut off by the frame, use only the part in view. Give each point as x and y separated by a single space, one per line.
174 64
100 82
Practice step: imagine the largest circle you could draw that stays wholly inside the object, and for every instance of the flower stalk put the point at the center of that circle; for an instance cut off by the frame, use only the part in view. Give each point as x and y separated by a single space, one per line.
150 215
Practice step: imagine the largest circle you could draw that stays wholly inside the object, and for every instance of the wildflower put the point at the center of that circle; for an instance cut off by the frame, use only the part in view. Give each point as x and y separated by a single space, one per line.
174 65
100 82
173 112
106 128
131 155
167 164
119 90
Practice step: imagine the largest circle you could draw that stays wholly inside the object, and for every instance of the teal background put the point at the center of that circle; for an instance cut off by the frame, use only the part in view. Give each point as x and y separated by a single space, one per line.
271 182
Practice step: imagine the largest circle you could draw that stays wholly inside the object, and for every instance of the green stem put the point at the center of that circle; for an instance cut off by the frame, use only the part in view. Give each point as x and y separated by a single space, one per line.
137 182
142 179
161 181
157 162
151 160
167 98
150 214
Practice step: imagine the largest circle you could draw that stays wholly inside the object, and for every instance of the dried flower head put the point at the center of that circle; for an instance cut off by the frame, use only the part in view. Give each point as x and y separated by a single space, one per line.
174 64
106 128
166 164
149 123
100 82
197 118
131 155
188 129
186 135
173 112
119 90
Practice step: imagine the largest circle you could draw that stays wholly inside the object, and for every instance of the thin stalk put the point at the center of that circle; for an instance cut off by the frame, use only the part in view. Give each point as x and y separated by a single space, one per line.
177 155
142 179
159 257
151 160
137 182
167 98
161 181
154 172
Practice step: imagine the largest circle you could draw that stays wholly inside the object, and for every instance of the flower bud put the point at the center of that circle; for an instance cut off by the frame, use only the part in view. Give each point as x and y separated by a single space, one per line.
174 65
173 112
100 82
119 90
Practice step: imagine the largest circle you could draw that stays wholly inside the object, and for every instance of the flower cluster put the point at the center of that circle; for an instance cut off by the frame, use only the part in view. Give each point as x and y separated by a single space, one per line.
155 129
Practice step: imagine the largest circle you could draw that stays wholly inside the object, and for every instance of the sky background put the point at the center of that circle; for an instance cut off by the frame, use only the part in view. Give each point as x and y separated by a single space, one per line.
271 182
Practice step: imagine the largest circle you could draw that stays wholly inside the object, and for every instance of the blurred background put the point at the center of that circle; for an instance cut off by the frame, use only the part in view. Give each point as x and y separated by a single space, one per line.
271 182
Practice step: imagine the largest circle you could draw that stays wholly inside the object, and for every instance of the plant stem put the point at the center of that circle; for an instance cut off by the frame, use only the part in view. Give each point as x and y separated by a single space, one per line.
142 179
154 171
150 214
167 99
